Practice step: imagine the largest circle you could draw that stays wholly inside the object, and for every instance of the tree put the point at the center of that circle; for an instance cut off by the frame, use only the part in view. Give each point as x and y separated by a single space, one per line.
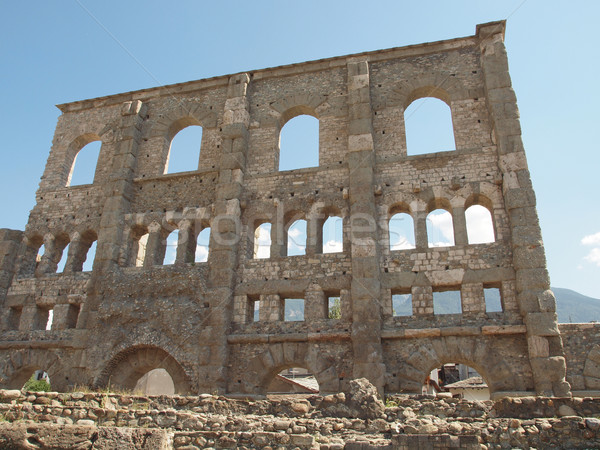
335 309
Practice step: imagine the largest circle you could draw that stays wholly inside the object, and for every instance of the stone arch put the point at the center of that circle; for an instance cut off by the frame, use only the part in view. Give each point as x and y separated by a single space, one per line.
298 104
438 85
30 247
126 367
591 369
18 366
184 115
280 356
419 359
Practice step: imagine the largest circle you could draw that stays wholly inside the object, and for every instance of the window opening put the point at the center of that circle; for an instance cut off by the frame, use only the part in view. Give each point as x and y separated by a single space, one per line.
141 250
83 169
171 248
333 241
184 152
88 263
334 307
493 300
293 309
202 245
440 230
155 382
63 259
299 143
402 232
297 238
447 302
402 305
50 315
480 227
428 124
262 241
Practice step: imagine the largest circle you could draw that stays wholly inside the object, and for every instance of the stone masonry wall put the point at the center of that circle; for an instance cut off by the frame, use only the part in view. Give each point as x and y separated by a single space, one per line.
195 318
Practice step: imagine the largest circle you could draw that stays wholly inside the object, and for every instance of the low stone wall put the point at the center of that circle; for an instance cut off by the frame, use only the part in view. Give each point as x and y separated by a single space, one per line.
98 420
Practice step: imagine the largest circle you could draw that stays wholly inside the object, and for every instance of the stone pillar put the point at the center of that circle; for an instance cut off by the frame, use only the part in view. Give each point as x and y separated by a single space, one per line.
10 242
314 235
226 233
366 287
51 256
155 248
536 301
186 243
421 240
315 304
118 194
459 222
472 298
271 309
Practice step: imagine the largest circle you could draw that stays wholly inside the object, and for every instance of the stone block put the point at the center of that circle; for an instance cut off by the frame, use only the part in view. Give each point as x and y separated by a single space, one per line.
541 324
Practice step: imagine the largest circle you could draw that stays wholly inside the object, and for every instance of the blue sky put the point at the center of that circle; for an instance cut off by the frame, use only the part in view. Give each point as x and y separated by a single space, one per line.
57 52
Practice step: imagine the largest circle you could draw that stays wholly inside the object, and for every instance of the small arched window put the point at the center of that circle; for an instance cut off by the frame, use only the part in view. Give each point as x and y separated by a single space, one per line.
84 165
440 229
428 125
88 262
140 255
299 143
184 152
333 230
63 255
202 245
296 242
402 232
262 241
480 226
171 248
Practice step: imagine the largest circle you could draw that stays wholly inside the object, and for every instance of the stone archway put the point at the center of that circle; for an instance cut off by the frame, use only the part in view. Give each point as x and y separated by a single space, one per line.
16 369
280 356
129 365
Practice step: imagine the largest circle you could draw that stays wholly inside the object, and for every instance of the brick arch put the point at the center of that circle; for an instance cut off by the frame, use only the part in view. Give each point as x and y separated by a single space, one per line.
127 366
18 366
277 357
419 359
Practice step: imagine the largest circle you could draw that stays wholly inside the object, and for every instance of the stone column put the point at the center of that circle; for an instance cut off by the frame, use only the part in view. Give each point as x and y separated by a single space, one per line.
118 192
186 243
421 240
459 222
366 287
226 234
10 242
315 304
536 301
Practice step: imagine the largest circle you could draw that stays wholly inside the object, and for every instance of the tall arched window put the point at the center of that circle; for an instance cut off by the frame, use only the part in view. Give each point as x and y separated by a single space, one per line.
299 143
296 242
402 232
480 227
202 245
64 255
83 168
88 262
184 152
262 241
440 229
333 230
428 124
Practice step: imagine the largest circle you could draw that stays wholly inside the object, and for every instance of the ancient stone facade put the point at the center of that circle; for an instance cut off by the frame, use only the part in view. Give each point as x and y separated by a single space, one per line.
196 319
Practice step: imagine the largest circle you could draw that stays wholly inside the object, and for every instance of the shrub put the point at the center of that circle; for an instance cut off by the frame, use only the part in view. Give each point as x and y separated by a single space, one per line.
34 385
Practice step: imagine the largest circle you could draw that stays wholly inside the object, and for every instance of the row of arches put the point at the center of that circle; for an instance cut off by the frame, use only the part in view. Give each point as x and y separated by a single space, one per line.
185 242
440 229
60 252
428 128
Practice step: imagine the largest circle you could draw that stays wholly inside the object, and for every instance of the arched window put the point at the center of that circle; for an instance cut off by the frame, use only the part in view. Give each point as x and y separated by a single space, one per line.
480 227
202 245
296 238
89 258
83 169
64 255
402 232
171 248
184 152
299 143
262 241
333 241
440 230
140 253
428 124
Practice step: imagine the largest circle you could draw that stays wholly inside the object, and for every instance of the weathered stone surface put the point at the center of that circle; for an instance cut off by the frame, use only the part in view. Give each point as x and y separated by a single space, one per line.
219 325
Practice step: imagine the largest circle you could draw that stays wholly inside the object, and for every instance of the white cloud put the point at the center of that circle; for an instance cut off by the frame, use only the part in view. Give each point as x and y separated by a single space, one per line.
592 239
593 256
201 253
401 244
333 247
480 228
441 227
263 251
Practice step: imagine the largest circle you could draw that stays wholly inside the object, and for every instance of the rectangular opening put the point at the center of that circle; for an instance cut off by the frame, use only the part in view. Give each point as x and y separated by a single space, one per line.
73 315
45 319
493 300
447 302
401 304
14 318
252 309
293 309
334 307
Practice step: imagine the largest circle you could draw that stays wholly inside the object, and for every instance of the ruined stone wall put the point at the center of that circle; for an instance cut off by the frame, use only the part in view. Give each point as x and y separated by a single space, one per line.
132 314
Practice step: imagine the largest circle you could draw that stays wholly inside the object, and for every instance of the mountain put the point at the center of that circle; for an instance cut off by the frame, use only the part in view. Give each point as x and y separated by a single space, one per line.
573 307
